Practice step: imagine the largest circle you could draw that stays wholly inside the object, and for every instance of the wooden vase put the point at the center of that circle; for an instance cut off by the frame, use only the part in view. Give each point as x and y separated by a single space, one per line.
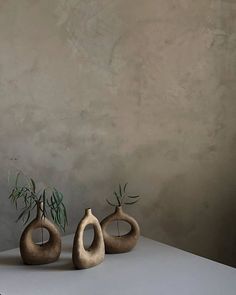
85 258
49 251
124 243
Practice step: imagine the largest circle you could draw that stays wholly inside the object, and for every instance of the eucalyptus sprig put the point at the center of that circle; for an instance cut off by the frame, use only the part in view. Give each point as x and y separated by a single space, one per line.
28 195
122 198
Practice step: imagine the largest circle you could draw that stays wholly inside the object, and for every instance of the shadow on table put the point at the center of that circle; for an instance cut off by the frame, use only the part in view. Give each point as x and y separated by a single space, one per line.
11 260
67 248
61 265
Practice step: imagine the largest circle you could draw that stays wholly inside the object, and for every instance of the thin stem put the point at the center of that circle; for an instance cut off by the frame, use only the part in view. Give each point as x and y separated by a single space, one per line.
118 227
122 199
41 232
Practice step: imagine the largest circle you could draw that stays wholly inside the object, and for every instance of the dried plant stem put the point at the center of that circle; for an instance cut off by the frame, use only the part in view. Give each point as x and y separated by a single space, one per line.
41 233
118 227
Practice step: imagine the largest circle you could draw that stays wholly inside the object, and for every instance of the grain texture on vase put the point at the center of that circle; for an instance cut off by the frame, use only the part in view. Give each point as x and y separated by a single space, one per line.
49 251
124 243
94 255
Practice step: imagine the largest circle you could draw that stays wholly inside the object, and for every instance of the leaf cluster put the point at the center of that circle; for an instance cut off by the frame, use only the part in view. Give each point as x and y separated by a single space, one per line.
121 197
27 195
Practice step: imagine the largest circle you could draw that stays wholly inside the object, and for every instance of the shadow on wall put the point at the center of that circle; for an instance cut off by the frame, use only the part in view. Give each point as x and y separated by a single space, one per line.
190 206
199 220
227 240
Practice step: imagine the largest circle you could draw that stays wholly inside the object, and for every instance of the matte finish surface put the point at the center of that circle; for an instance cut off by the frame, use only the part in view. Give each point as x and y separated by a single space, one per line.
123 243
33 253
94 93
86 257
151 268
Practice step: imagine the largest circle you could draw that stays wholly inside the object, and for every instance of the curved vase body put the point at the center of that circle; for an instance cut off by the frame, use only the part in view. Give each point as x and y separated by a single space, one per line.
124 243
85 258
48 252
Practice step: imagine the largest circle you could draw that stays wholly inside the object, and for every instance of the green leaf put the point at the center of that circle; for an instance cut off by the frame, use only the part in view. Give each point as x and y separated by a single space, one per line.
133 197
28 216
58 218
52 202
44 203
65 214
53 214
17 177
120 190
33 184
118 201
22 214
27 193
125 187
110 203
58 197
35 204
116 195
25 198
11 194
131 203
48 203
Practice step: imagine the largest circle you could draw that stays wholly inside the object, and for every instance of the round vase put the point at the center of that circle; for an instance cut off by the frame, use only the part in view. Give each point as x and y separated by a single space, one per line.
124 243
49 251
85 258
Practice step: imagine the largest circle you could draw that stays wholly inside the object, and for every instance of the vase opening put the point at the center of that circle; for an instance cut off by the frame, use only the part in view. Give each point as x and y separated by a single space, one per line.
88 236
40 236
118 228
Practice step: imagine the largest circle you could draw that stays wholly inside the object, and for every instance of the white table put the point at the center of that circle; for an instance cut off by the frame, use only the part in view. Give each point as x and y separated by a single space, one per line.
151 268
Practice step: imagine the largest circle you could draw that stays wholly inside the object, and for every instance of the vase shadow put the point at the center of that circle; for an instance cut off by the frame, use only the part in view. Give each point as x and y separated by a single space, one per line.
67 248
10 260
64 264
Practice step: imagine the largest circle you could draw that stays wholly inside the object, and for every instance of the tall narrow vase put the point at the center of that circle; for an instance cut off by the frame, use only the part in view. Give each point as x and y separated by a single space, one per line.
85 258
124 243
49 251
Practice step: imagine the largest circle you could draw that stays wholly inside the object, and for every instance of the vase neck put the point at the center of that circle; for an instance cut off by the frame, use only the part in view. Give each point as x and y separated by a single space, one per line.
88 211
40 210
119 209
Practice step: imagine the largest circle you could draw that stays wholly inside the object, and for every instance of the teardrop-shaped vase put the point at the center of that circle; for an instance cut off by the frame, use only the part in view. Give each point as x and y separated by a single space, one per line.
85 258
49 251
124 243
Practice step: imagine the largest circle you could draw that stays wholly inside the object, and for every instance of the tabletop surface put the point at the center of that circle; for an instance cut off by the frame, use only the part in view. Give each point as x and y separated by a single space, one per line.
151 268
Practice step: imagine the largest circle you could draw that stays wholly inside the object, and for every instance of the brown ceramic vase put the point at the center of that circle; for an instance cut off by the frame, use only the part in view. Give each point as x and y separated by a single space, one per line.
49 251
124 243
85 258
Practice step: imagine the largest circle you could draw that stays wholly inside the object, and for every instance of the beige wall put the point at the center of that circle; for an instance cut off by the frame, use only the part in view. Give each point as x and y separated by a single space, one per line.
97 92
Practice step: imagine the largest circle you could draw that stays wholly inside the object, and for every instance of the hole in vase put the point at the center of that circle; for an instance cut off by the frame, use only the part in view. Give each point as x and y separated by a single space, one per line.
40 236
118 228
88 236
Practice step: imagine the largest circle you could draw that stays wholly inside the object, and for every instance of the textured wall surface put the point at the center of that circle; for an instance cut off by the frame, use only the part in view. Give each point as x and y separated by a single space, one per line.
97 92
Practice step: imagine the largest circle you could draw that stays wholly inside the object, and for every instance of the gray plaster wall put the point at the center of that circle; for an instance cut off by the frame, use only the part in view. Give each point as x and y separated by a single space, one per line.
97 92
